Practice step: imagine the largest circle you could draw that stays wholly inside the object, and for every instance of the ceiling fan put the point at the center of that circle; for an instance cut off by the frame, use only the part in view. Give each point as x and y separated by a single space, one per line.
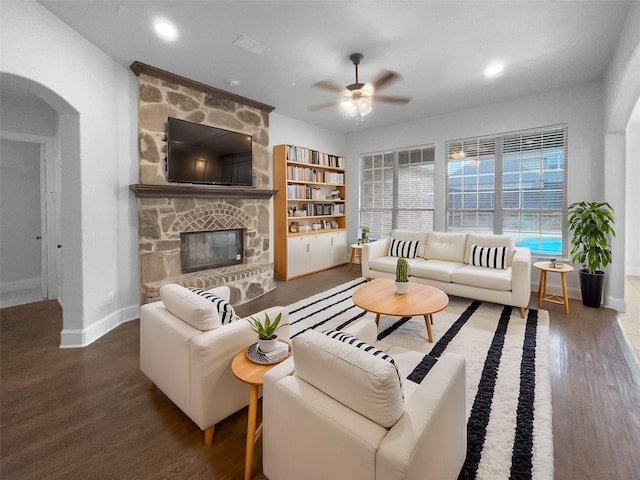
356 99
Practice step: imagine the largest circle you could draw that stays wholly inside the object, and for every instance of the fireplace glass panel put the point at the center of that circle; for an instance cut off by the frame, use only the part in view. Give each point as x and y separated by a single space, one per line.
203 250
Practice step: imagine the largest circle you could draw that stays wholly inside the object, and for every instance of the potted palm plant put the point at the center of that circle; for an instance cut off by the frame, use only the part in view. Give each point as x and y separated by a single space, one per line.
266 330
591 226
402 276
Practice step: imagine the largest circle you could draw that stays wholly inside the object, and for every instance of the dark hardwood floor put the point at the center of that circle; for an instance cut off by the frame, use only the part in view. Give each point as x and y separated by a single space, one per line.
88 413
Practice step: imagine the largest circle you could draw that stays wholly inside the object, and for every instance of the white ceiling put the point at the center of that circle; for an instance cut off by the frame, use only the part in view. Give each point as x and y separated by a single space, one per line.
440 48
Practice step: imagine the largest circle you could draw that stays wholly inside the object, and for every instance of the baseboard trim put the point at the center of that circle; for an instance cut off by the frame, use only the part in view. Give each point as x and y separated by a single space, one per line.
617 304
634 271
78 338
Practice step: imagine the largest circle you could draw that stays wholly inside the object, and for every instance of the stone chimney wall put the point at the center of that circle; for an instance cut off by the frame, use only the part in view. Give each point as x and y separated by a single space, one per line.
160 220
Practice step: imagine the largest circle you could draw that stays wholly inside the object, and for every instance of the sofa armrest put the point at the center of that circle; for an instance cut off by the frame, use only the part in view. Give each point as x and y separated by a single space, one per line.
373 250
521 277
430 439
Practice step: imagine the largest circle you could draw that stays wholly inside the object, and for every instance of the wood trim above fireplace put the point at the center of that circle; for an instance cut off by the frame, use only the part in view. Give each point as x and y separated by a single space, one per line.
187 191
139 67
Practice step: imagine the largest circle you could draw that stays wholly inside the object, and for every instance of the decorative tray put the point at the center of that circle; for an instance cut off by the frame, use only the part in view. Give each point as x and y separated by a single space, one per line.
256 356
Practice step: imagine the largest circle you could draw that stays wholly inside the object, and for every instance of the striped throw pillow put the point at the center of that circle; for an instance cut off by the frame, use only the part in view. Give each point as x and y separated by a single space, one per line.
403 248
370 349
225 309
491 257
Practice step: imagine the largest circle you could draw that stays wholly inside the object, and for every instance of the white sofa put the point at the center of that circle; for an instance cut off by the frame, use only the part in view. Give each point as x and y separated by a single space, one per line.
443 261
332 414
191 366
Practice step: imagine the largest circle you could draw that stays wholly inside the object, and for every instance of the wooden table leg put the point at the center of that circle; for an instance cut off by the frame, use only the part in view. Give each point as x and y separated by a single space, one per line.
377 318
428 320
251 430
564 293
542 287
353 256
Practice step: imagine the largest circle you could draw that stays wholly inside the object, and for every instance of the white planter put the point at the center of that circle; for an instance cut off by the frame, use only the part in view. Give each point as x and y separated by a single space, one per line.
402 287
267 346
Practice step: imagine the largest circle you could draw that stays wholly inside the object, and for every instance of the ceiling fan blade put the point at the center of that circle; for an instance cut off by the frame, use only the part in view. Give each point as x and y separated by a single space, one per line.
385 79
320 106
391 99
329 85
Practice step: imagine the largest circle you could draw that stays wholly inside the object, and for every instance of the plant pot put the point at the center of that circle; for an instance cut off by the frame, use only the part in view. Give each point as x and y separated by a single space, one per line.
402 287
591 286
267 346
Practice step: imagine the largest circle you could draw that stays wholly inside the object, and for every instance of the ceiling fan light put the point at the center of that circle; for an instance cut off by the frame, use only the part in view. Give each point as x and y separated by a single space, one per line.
349 107
364 106
367 90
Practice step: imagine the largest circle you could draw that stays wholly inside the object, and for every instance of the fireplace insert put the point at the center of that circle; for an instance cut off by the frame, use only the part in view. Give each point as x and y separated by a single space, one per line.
211 249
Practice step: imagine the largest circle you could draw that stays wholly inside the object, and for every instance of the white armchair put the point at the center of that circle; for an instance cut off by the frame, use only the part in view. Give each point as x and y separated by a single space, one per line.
368 433
193 367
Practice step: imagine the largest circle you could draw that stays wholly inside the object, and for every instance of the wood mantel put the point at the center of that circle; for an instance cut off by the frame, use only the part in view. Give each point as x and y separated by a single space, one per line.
207 191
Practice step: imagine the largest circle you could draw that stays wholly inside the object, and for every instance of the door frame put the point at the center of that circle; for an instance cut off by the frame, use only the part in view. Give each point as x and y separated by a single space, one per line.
49 201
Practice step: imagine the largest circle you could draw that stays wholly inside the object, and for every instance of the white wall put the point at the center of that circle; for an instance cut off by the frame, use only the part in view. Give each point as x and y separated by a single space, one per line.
632 217
580 107
27 114
20 224
97 97
622 90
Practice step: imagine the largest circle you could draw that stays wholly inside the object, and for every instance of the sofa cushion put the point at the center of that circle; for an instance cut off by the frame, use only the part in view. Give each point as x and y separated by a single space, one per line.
490 241
365 383
445 246
487 278
388 264
490 257
225 310
439 270
190 307
407 234
403 248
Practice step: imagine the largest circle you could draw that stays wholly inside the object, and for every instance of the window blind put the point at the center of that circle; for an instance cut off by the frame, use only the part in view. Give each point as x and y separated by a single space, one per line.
397 190
512 184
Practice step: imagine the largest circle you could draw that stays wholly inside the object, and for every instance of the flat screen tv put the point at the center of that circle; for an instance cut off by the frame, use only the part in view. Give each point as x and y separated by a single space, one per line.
207 155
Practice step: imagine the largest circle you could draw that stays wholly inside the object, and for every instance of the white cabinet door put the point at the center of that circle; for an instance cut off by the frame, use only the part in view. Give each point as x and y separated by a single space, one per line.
320 251
338 248
298 256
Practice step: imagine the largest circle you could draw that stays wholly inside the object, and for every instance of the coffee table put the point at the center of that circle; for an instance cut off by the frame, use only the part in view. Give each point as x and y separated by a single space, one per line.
379 296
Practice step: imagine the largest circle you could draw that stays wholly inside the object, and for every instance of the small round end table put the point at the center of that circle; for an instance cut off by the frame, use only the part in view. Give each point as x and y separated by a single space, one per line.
545 267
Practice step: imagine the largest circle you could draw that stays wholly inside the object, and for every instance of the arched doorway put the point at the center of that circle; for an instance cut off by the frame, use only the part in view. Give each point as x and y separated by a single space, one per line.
60 158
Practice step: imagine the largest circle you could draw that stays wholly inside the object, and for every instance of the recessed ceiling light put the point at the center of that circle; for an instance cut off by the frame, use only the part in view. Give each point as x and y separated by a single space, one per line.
494 70
233 83
165 30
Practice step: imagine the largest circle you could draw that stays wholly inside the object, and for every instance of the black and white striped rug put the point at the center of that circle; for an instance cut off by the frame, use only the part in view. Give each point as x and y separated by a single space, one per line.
509 429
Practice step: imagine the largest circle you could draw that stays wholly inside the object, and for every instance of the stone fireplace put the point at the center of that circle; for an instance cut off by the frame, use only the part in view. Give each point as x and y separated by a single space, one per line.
168 211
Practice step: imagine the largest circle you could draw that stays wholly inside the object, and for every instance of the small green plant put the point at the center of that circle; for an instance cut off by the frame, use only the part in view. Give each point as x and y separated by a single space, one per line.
266 330
365 234
402 270
590 224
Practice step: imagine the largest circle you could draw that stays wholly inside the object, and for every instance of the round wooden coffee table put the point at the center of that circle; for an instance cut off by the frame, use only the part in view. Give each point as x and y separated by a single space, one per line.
379 296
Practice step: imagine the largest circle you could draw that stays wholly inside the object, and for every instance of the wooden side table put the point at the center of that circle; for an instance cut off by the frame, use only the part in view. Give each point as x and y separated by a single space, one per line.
545 267
356 251
251 373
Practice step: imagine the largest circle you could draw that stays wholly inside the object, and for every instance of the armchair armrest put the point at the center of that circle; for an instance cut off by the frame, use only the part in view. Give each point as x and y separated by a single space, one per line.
370 251
215 392
429 440
521 277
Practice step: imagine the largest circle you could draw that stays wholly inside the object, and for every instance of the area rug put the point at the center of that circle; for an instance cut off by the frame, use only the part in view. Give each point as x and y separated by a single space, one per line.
509 429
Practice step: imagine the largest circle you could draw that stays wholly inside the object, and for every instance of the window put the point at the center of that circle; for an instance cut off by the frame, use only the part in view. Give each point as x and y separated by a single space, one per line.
397 190
513 184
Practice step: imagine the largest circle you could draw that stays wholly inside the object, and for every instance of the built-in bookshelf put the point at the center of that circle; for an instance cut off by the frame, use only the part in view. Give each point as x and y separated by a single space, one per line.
309 211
